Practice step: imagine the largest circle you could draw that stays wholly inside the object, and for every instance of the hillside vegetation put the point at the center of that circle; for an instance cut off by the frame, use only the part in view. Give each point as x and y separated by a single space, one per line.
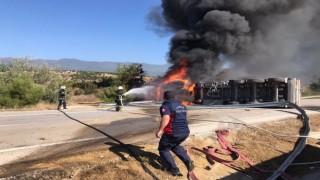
25 85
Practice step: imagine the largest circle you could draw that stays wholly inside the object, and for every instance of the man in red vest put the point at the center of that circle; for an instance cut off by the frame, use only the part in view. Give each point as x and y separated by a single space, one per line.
173 131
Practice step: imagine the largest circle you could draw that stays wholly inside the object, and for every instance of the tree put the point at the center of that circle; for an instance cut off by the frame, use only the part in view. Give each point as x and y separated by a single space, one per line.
20 67
41 76
105 82
20 92
48 78
130 75
3 67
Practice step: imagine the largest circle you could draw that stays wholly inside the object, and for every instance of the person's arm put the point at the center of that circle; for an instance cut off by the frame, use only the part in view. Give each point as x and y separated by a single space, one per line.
164 122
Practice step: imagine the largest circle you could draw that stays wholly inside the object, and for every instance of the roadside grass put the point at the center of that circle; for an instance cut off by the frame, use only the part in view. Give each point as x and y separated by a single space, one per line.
80 100
39 106
43 106
84 99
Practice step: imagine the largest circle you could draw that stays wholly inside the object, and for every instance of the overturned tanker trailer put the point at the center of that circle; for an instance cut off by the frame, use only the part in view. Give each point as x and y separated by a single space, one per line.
248 91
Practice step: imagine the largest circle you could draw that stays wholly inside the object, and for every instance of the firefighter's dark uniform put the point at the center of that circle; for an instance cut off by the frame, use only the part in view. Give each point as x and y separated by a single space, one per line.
62 99
174 133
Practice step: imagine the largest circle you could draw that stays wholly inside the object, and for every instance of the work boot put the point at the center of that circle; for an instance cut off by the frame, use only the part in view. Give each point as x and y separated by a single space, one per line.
175 172
190 165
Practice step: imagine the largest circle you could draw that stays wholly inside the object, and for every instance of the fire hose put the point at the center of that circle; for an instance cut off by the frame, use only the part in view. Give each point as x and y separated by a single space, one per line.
133 154
301 142
227 149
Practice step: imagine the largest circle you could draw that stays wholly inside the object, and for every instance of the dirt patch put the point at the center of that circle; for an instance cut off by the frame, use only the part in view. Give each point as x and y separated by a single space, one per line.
114 162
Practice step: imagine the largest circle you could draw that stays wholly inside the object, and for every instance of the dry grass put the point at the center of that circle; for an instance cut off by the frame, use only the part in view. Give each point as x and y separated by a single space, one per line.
44 106
39 106
84 99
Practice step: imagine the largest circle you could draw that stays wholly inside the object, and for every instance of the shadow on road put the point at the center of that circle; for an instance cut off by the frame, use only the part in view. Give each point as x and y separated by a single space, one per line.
289 112
125 146
148 157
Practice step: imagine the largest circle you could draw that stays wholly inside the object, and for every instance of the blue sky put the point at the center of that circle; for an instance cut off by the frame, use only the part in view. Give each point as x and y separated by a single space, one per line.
93 30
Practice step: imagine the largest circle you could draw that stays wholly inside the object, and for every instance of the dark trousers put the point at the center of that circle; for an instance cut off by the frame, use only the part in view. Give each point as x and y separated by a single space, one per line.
62 102
169 142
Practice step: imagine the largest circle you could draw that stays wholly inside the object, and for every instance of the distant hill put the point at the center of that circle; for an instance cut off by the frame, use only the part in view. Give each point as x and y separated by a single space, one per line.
93 66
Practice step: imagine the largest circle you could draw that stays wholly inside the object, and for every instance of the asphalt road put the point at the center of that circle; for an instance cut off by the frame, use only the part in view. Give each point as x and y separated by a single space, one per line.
24 133
28 135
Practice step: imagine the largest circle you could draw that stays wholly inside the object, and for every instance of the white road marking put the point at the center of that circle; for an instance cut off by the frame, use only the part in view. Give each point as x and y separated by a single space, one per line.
48 144
8 125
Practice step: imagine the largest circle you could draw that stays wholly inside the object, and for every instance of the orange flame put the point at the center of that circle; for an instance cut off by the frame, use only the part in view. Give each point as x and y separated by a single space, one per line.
178 75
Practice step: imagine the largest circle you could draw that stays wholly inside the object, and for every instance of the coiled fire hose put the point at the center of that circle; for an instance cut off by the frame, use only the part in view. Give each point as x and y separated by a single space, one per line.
301 142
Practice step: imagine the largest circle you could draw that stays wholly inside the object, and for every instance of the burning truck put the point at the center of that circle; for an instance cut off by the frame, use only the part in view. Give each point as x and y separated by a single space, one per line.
248 91
229 92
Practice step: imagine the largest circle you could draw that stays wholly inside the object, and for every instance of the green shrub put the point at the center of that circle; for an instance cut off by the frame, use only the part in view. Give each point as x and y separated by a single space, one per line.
315 85
41 75
312 89
18 68
108 94
51 93
87 87
106 82
51 80
3 67
20 92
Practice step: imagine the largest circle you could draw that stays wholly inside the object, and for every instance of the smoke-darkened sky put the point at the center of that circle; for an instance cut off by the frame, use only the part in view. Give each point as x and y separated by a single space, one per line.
255 38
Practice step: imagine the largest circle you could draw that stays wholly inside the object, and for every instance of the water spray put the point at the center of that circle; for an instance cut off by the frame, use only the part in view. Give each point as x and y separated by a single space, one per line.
142 91
139 91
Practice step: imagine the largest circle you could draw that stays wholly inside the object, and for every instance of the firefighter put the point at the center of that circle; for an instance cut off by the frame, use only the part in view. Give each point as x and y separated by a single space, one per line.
173 130
118 99
62 98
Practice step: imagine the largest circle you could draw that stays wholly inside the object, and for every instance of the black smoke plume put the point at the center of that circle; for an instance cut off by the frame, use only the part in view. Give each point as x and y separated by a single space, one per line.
223 39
